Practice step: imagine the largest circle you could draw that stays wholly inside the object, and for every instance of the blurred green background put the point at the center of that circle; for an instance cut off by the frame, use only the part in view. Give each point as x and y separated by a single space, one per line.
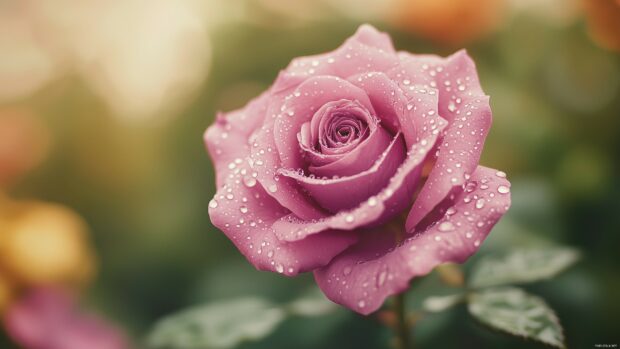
125 90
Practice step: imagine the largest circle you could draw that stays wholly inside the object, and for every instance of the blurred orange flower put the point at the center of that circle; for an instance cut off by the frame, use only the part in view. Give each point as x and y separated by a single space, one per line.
45 244
603 18
24 142
451 22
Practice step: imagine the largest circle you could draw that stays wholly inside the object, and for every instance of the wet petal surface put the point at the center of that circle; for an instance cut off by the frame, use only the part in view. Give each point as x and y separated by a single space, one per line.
245 213
463 103
363 276
343 193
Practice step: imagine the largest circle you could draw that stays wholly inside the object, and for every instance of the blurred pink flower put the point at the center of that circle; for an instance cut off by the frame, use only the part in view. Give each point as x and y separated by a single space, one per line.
319 172
49 319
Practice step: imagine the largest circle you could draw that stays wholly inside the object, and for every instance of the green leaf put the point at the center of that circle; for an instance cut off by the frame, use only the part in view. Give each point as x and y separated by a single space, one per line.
521 266
514 311
436 304
219 325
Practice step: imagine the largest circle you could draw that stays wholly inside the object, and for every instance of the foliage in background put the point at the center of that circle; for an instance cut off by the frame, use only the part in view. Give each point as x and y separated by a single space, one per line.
143 187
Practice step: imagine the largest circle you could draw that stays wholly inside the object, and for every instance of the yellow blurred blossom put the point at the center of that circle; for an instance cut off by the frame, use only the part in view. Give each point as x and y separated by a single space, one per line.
43 244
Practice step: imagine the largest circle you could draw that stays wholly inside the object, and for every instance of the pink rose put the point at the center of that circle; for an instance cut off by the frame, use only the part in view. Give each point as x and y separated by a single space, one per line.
49 319
319 172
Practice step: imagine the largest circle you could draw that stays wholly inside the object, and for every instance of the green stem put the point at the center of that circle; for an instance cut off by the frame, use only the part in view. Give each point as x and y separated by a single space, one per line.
403 338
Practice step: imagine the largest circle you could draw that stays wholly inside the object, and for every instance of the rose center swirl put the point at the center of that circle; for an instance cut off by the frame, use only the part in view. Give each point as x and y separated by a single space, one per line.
338 127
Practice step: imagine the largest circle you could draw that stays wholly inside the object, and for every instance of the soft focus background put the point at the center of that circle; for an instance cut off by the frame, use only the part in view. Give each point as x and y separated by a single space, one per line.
103 105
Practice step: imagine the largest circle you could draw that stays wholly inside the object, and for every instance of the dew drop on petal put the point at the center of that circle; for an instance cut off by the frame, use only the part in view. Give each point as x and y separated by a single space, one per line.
480 203
446 226
213 203
470 186
249 181
381 278
273 188
372 201
502 189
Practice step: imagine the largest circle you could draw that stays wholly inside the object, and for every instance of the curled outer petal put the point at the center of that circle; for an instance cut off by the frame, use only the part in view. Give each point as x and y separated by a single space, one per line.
245 213
378 267
463 103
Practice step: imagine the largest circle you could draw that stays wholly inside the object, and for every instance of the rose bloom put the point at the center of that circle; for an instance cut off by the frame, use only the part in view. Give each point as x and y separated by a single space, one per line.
323 172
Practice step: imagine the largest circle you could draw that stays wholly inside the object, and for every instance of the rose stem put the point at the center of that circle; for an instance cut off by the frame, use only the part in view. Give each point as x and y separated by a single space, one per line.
402 325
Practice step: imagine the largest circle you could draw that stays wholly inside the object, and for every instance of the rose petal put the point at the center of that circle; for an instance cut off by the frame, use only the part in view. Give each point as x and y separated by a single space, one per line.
336 194
463 103
363 276
264 163
227 138
454 76
368 35
357 160
245 213
458 156
398 111
328 118
275 144
392 199
227 143
367 50
362 157
300 107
